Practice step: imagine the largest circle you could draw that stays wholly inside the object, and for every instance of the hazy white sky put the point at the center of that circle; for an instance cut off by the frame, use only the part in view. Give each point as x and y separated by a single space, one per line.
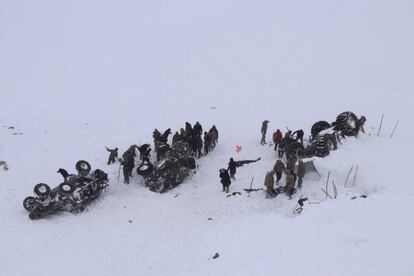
109 52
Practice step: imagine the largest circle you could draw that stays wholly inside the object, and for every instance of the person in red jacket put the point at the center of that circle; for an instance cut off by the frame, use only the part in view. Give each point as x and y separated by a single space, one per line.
277 136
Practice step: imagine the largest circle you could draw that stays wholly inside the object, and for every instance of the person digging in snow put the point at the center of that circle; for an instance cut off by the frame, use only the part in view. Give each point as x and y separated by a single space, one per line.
113 155
269 183
288 134
290 184
299 135
301 172
144 152
279 168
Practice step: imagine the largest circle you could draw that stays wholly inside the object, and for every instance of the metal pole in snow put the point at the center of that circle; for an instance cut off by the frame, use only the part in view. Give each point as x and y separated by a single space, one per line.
392 134
327 181
379 129
355 175
346 181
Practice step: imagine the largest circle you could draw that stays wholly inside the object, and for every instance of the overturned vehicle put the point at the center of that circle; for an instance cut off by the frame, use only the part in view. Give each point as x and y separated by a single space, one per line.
72 195
176 164
326 136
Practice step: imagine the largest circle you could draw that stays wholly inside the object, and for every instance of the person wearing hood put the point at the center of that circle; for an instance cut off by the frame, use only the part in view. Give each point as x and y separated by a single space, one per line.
225 180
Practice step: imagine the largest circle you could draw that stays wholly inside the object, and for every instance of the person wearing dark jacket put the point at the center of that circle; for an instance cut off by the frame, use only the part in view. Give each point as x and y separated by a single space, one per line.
225 180
198 129
207 142
232 168
193 143
144 152
188 129
112 155
128 165
234 164
299 135
199 143
176 138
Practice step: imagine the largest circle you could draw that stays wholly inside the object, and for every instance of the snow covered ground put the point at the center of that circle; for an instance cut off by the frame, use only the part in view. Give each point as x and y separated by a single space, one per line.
81 75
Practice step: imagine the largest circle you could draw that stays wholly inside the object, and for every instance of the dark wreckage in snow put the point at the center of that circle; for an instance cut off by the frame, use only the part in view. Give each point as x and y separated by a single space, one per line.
324 136
177 163
72 195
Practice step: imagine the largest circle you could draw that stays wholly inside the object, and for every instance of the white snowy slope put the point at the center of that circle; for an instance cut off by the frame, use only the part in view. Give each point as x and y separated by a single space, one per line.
76 76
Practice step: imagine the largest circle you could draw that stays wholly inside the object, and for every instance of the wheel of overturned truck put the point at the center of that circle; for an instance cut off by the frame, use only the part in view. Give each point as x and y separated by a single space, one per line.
158 185
66 189
83 167
145 168
29 202
42 190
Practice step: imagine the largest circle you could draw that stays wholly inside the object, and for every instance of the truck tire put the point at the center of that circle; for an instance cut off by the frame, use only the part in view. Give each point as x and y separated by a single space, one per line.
83 167
29 202
66 189
42 190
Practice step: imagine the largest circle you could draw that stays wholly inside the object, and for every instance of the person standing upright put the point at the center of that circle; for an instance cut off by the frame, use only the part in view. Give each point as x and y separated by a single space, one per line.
277 137
264 131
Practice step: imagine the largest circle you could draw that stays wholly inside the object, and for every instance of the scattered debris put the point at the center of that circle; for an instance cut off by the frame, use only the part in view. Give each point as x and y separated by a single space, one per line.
252 190
11 127
326 193
361 196
210 219
177 195
233 194
17 133
130 221
299 206
215 256
4 165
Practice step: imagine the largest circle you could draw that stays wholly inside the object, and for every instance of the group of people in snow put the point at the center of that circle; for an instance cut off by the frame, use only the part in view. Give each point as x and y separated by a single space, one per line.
226 175
191 134
294 169
200 143
325 137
